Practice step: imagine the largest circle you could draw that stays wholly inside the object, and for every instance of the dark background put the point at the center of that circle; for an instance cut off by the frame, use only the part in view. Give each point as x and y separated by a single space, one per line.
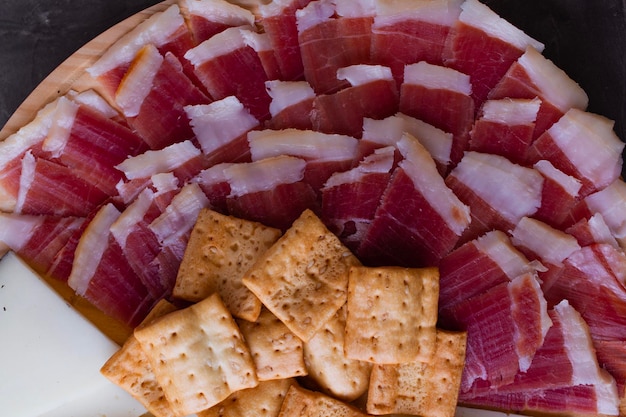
586 38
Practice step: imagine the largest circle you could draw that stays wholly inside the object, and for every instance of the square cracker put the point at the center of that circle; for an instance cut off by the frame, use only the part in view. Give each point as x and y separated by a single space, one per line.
130 369
392 314
264 400
276 351
220 250
303 277
327 365
426 389
198 355
301 402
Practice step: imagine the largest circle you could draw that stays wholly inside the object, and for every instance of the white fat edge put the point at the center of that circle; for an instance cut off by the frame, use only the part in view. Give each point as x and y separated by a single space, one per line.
314 13
610 203
91 99
437 77
556 87
570 184
480 16
91 247
27 176
221 44
218 11
212 175
180 215
590 144
545 320
156 30
259 41
273 8
600 231
138 81
421 168
16 230
287 93
511 111
512 190
164 182
379 162
499 248
581 353
441 12
218 123
153 162
362 74
264 175
355 8
306 144
132 214
59 133
553 245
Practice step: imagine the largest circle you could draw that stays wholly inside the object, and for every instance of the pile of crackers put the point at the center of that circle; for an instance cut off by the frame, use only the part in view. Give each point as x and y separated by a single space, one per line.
290 325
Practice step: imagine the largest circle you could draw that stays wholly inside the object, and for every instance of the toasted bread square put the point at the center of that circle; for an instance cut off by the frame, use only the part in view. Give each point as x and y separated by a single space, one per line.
392 314
130 369
301 402
327 365
220 250
276 351
264 400
426 389
303 277
198 355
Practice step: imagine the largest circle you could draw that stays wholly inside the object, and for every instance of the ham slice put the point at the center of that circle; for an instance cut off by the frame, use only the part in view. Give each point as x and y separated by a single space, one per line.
592 230
426 87
498 192
208 18
534 76
291 106
582 145
483 45
409 31
372 94
397 236
559 196
214 184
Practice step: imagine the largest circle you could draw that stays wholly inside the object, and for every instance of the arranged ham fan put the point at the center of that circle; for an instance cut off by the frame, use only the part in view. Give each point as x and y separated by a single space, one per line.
422 132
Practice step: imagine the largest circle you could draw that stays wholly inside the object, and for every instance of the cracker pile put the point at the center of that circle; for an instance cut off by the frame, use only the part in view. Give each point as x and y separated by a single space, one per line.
291 325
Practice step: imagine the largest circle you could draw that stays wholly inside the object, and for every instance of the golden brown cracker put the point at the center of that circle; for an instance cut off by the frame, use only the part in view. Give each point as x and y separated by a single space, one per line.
301 402
220 250
392 314
303 277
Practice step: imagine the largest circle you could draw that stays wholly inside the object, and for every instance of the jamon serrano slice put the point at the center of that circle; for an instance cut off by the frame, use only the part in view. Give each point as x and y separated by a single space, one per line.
534 76
409 31
483 45
333 34
152 96
583 145
498 191
441 97
559 196
214 183
399 237
208 18
372 94
291 106
227 65
592 230
165 30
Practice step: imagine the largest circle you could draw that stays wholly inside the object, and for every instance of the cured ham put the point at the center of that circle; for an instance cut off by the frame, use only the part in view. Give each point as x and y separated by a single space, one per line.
483 45
425 87
406 32
534 76
397 236
498 192
592 230
208 18
559 196
291 106
152 96
505 127
333 35
372 94
582 145
214 184
228 66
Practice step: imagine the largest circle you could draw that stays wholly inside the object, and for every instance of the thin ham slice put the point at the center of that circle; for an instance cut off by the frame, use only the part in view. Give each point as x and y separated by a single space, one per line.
534 76
409 31
559 196
484 46
592 230
397 236
499 192
583 145
208 18
426 88
291 106
214 184
372 94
